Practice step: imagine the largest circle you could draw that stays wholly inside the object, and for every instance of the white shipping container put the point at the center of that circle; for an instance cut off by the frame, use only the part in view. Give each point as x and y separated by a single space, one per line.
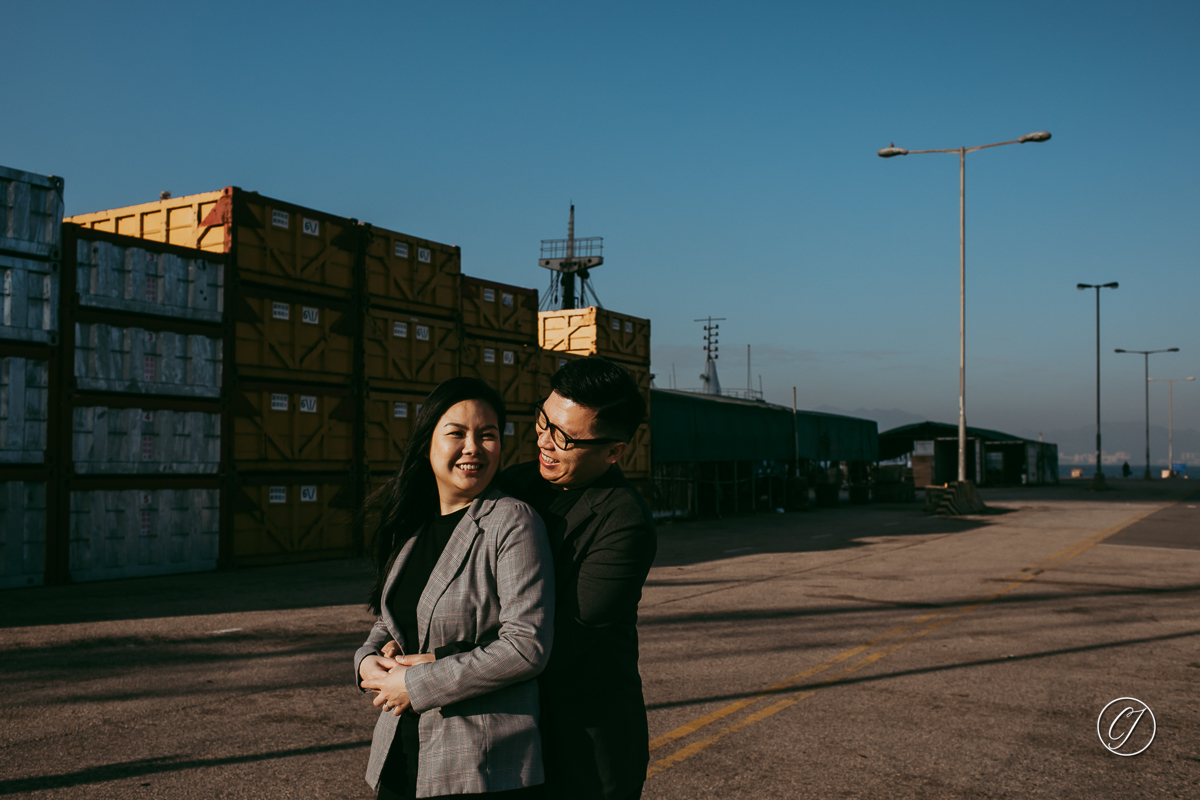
22 533
108 358
131 532
135 279
122 441
30 295
24 410
31 213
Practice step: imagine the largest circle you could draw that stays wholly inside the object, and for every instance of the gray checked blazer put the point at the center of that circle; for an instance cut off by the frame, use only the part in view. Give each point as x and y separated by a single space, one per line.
493 584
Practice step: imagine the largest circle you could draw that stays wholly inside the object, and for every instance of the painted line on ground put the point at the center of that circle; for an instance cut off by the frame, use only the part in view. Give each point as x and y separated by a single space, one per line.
1017 580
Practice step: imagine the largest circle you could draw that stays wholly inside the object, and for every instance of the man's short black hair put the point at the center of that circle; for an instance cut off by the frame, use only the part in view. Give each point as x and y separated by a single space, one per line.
608 389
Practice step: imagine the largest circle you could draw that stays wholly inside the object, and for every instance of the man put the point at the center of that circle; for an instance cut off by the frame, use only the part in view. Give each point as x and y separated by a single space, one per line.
594 732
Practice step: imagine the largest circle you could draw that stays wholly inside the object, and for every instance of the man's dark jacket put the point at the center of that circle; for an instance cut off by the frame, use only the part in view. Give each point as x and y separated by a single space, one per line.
594 732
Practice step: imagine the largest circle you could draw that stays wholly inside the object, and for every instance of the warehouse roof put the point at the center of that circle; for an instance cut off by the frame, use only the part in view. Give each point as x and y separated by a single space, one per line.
899 441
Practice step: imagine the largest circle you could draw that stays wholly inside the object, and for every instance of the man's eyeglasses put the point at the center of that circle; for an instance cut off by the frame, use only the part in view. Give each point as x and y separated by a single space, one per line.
561 440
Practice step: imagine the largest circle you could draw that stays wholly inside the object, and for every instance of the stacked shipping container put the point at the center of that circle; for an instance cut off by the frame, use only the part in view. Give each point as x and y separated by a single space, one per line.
31 209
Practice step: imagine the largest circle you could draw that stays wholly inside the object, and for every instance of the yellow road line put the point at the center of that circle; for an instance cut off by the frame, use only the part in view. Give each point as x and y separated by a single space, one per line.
1018 580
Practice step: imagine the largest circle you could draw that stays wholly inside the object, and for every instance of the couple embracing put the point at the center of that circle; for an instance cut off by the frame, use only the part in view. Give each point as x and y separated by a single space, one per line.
504 659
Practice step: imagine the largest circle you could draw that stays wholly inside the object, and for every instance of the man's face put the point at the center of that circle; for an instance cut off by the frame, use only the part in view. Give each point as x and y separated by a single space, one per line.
581 464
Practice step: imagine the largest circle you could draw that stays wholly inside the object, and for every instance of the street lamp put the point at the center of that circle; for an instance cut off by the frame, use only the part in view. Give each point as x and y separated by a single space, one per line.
1147 354
1097 479
890 151
1170 382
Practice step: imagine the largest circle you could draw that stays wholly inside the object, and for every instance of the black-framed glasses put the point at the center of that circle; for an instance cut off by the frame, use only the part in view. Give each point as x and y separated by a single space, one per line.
561 440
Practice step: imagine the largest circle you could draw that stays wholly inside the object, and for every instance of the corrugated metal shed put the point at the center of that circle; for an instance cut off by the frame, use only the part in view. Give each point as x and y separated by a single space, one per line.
899 441
701 428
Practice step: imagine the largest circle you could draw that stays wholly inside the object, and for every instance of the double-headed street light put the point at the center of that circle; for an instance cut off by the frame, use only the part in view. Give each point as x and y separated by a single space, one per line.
1170 382
1147 354
890 151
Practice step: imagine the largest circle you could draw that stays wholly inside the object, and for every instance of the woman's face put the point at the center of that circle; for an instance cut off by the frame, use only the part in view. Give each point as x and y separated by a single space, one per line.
464 453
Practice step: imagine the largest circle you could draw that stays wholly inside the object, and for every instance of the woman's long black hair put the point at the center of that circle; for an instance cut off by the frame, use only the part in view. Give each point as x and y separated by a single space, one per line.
409 500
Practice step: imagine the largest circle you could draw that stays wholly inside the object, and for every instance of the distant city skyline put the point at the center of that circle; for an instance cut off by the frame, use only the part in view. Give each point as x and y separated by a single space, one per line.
726 155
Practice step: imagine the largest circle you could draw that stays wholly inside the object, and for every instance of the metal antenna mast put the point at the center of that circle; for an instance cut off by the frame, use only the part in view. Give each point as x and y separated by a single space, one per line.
570 257
712 384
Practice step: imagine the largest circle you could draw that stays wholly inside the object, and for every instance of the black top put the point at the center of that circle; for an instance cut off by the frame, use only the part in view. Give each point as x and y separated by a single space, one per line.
399 773
594 735
406 593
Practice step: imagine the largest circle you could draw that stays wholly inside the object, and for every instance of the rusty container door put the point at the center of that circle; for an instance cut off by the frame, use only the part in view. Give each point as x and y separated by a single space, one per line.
280 426
120 359
177 221
31 212
282 336
414 274
125 441
22 533
389 417
409 352
31 303
122 274
290 518
24 410
134 532
511 369
499 311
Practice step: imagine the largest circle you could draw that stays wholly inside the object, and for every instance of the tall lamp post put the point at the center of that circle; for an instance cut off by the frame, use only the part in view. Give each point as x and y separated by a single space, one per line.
1147 354
890 151
1170 382
1097 479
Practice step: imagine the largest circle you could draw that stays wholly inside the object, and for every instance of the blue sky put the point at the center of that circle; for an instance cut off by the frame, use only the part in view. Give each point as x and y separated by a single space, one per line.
726 152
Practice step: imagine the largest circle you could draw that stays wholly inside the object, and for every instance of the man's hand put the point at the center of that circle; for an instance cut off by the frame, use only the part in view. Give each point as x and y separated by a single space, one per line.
391 649
391 692
374 668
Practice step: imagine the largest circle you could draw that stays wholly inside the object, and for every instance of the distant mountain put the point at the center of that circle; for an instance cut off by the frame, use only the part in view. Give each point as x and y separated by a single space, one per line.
1123 441
887 418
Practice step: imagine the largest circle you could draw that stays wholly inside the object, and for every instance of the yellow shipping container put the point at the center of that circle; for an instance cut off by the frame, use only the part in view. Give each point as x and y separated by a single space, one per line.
172 221
595 331
413 273
498 311
389 418
519 442
291 518
285 337
511 369
405 351
289 427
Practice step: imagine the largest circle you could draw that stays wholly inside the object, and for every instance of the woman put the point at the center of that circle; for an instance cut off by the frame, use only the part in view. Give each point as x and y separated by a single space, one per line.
459 566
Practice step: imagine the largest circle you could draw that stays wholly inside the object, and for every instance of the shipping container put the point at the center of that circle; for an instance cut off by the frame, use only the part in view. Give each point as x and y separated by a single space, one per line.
116 359
389 419
30 299
22 533
124 274
145 441
596 331
24 410
498 311
291 518
511 369
635 461
134 532
283 336
550 362
408 351
31 212
519 442
278 243
415 274
282 426
176 220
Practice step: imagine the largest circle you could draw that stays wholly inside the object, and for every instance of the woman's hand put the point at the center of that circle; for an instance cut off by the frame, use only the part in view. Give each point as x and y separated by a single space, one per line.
391 692
391 649
412 661
374 668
